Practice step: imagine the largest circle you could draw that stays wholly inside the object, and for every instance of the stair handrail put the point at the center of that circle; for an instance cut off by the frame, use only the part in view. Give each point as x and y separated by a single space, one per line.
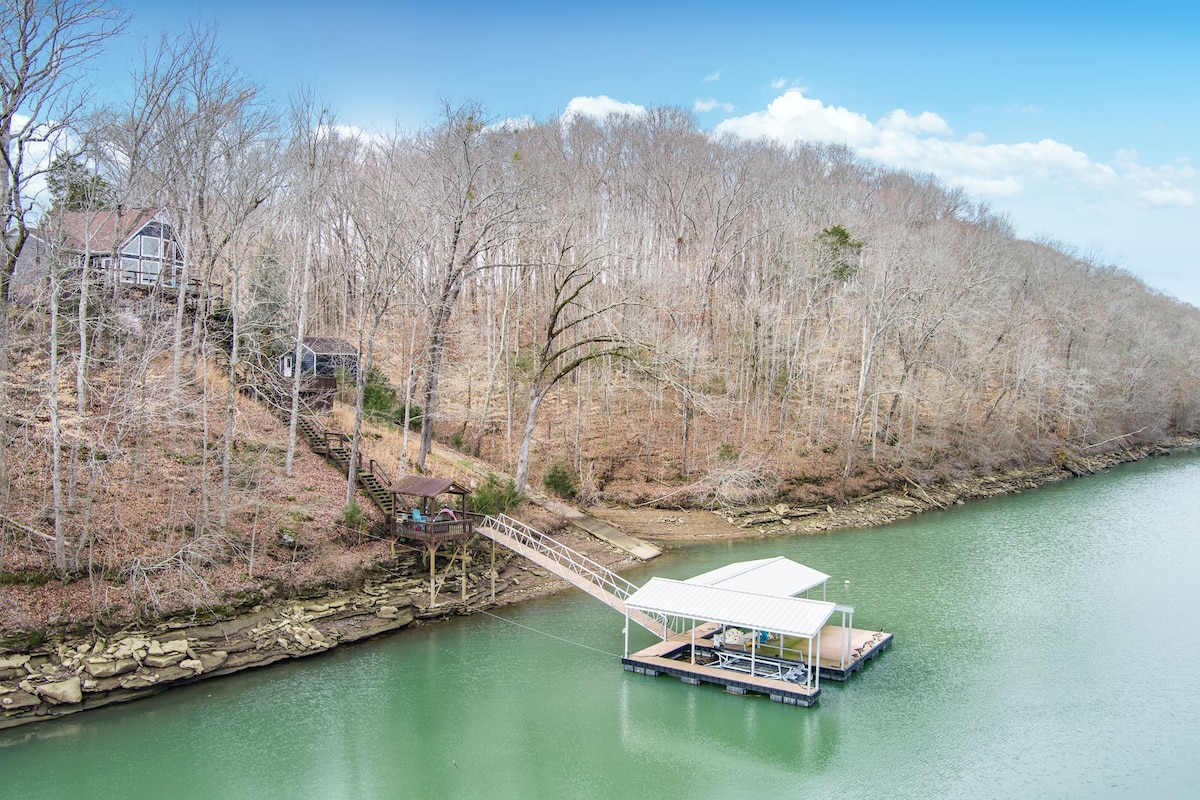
558 552
376 468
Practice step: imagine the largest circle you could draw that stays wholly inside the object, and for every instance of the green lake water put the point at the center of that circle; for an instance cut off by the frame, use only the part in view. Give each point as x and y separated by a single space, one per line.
1046 646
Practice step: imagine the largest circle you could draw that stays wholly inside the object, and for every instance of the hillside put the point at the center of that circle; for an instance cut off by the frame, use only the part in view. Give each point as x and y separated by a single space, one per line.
627 312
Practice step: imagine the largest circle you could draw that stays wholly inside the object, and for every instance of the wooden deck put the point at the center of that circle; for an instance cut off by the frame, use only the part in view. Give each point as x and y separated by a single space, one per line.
864 646
673 657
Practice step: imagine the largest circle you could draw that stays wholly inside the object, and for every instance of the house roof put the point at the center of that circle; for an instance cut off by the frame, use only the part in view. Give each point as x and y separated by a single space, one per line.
330 346
791 616
420 486
776 576
98 232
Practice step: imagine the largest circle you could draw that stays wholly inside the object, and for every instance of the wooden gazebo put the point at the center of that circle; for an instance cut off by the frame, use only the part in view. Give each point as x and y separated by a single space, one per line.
419 512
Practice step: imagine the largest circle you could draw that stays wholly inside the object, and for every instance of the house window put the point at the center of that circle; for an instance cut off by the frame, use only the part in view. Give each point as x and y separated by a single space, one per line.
149 270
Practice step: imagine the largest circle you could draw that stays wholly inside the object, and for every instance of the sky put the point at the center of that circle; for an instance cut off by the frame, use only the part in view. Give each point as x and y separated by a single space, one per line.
1077 121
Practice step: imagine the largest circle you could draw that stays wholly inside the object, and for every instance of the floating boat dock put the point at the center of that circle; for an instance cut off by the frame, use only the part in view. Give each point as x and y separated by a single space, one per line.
739 672
745 628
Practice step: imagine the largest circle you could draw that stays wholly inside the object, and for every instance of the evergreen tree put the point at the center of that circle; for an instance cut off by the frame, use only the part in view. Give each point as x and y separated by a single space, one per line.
76 187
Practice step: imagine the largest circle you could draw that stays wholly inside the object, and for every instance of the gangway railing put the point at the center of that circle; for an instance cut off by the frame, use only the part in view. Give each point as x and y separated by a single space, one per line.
570 565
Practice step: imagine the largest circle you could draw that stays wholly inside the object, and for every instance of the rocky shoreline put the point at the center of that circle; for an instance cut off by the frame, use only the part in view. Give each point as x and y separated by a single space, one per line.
93 671
96 671
877 508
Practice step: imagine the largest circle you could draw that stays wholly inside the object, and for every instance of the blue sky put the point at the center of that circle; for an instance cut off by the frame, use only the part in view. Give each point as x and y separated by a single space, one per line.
1077 120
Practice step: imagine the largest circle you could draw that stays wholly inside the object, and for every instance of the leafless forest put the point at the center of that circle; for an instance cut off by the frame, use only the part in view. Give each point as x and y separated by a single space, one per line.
653 312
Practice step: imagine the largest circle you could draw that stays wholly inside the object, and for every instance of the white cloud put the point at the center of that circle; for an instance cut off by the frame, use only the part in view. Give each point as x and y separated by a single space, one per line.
1168 195
40 148
515 123
1023 109
710 104
600 107
779 83
792 117
925 122
714 76
1144 216
351 133
925 142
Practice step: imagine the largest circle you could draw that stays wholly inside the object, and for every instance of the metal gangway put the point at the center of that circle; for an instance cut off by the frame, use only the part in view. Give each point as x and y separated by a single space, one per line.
572 566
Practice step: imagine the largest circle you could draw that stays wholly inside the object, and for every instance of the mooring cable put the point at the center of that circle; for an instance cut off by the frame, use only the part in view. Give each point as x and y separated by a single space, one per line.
543 633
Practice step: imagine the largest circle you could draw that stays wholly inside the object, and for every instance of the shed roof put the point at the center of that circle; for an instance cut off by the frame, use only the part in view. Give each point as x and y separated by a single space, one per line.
778 576
421 486
793 616
330 345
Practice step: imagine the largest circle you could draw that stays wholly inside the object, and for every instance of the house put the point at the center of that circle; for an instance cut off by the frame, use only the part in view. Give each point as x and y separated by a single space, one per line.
135 247
142 241
322 357
29 278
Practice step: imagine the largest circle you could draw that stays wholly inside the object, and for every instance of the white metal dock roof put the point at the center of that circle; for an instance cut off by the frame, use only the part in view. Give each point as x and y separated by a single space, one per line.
793 616
778 576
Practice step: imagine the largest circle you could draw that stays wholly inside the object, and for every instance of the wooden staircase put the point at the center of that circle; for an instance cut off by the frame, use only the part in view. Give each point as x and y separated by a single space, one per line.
376 483
372 477
314 433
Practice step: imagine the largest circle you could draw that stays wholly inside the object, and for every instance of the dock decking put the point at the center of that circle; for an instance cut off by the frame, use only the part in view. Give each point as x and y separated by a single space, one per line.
673 656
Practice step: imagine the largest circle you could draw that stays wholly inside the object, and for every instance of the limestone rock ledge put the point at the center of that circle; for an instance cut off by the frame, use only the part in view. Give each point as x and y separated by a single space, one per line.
93 672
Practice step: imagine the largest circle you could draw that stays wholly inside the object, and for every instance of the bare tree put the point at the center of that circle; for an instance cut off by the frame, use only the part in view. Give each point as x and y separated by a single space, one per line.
310 168
573 330
388 237
473 189
44 44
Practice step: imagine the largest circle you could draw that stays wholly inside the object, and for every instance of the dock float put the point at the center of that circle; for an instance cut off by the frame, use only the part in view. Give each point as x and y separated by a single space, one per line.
745 629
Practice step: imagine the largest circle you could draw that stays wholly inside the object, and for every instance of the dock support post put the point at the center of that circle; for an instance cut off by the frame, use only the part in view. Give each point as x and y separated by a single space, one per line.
493 570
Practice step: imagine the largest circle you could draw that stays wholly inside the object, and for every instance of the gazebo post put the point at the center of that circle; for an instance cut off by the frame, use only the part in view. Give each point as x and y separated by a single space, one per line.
432 561
493 570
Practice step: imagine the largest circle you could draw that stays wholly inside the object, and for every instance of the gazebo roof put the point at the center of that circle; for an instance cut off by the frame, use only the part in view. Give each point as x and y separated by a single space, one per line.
421 486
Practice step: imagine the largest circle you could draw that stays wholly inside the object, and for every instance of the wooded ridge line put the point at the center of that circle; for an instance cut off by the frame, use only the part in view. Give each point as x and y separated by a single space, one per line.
626 311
